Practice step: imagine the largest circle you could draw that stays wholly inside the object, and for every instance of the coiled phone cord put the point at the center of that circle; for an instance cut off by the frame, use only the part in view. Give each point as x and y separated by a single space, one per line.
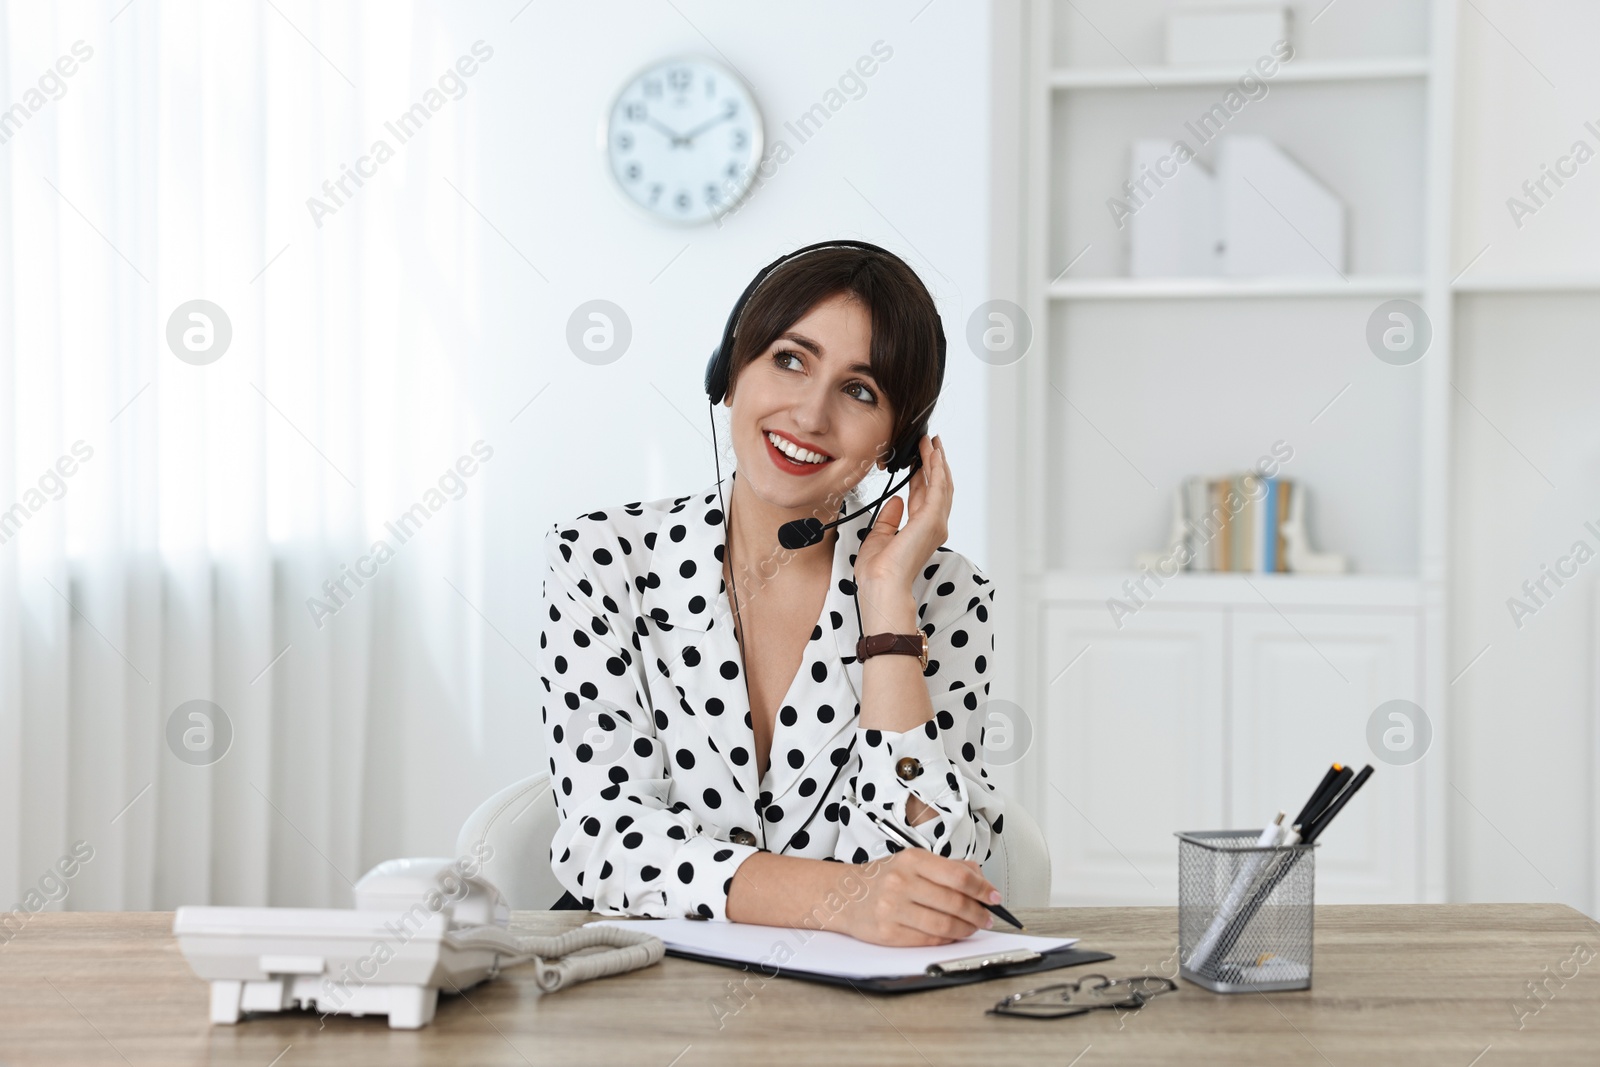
628 950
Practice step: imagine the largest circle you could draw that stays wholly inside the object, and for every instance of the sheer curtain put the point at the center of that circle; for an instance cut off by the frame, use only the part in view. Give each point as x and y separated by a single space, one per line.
181 526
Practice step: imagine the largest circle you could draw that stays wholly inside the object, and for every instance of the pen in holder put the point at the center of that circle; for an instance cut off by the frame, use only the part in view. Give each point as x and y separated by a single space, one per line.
1244 912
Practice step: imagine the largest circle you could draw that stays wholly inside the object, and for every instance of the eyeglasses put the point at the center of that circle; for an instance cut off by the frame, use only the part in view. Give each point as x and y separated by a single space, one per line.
1085 995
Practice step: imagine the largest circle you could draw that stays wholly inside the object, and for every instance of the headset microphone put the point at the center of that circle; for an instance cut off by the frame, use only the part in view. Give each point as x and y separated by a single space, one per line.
802 533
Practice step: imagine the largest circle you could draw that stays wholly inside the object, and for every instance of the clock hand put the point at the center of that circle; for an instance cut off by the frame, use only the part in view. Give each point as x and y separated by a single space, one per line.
677 138
704 126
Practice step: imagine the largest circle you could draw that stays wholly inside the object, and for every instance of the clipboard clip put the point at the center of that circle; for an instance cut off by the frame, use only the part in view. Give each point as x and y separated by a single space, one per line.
967 964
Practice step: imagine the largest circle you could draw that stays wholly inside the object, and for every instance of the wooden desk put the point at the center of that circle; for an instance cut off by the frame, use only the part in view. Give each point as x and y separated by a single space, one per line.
1407 984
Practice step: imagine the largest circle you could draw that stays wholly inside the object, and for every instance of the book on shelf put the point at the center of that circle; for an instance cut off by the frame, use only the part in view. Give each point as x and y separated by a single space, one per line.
1237 523
1241 523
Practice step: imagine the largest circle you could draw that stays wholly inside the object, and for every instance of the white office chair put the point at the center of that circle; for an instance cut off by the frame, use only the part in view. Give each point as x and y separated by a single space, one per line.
520 821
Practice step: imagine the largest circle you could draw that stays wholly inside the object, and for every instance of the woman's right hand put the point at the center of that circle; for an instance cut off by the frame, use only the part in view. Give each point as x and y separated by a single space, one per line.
917 898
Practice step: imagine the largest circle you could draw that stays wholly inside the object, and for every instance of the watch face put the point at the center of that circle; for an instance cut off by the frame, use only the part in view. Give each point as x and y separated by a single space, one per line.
683 139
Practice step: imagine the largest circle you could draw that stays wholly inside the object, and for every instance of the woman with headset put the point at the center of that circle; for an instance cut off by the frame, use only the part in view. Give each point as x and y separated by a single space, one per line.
759 703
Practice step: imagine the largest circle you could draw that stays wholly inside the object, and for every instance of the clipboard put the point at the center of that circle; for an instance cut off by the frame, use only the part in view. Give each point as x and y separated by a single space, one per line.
960 971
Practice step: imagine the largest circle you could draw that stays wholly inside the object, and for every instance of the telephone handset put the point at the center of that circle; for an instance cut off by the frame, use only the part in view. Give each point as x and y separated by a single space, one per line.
419 926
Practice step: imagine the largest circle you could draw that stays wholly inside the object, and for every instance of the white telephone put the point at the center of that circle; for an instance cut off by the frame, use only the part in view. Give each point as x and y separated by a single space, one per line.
419 926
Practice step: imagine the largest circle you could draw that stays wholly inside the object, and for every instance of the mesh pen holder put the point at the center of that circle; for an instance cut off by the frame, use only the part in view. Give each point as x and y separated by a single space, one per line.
1244 912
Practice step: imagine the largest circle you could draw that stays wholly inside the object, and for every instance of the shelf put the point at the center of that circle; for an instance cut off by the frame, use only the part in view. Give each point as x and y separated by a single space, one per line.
1264 591
1163 77
1191 288
1532 283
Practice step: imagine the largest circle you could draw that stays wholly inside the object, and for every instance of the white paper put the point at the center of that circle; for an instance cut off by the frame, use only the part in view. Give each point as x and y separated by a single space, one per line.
822 952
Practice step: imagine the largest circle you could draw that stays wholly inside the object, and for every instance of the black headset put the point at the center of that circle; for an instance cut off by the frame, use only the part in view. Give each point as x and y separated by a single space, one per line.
719 366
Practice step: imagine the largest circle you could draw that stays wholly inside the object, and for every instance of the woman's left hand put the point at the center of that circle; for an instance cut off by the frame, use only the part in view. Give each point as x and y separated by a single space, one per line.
891 557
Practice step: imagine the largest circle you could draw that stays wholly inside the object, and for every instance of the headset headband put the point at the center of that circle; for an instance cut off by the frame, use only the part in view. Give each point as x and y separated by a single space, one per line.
719 366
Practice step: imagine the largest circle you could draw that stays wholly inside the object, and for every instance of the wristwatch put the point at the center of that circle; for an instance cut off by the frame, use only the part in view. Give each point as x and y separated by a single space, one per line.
903 644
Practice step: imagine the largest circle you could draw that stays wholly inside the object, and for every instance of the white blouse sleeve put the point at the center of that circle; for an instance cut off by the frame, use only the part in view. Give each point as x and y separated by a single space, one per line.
620 848
957 613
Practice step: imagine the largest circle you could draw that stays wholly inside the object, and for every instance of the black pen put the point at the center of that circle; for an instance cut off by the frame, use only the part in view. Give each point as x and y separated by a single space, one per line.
993 908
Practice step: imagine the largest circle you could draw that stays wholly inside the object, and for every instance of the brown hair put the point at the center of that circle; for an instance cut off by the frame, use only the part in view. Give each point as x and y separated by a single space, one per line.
905 322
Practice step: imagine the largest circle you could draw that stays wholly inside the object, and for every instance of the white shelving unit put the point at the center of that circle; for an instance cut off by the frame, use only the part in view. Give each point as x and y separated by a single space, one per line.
1225 695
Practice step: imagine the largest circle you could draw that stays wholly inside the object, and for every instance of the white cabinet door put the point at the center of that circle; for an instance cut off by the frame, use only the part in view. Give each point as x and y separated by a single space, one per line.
1304 684
1132 746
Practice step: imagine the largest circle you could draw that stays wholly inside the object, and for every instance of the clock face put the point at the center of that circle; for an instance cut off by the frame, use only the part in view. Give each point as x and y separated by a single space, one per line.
683 139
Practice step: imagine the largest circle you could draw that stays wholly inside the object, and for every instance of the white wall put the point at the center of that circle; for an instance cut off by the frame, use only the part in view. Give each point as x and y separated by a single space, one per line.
1527 456
905 166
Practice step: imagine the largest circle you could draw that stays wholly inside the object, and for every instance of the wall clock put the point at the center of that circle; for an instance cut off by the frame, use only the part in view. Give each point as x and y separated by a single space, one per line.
683 139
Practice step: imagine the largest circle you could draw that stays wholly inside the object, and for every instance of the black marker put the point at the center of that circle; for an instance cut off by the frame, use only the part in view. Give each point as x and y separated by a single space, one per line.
1320 822
1325 789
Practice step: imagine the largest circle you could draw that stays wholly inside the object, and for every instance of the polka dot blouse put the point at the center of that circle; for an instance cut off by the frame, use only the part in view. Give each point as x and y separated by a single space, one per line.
647 720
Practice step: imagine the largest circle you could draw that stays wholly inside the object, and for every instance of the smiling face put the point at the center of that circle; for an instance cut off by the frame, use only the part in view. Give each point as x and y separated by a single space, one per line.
813 388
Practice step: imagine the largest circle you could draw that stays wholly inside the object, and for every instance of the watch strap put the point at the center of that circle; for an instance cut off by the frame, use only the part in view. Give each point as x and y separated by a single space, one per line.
916 644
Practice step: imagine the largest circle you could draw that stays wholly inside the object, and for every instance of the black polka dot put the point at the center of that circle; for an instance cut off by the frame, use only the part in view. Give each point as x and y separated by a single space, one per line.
685 759
819 671
591 826
649 873
773 813
788 716
825 713
712 798
601 556
685 873
739 756
800 840
797 758
729 669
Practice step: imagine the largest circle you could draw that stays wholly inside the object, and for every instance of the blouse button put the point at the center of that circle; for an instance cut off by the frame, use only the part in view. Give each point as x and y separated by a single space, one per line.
742 837
908 768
